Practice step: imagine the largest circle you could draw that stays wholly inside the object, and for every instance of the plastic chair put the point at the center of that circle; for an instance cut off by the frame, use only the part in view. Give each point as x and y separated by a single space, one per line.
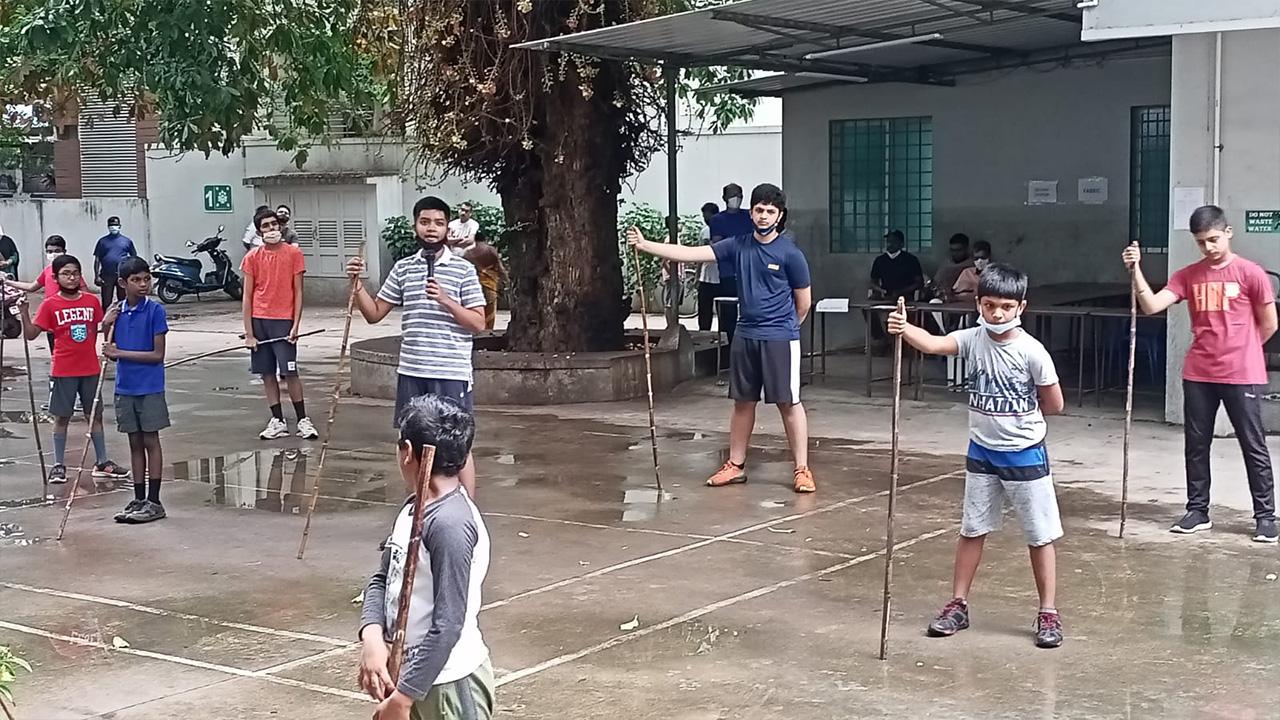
1149 346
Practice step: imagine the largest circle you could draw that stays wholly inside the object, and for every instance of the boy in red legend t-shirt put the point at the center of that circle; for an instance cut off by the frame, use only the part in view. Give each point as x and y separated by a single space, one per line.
1233 312
73 317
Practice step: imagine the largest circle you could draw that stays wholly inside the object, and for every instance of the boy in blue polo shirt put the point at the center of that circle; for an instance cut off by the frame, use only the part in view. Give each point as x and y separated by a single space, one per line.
774 297
141 412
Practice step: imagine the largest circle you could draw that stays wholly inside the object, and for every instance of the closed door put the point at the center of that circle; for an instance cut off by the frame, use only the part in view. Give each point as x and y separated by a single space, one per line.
330 222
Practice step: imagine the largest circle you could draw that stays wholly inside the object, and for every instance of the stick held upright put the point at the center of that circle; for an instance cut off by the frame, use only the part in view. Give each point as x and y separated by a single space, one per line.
893 489
412 553
648 367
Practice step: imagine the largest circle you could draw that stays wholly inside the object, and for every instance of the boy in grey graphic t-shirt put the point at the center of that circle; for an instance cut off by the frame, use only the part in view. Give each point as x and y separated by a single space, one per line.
1012 386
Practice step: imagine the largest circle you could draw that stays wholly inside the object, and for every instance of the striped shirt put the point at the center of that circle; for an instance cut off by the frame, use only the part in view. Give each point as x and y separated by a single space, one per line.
433 345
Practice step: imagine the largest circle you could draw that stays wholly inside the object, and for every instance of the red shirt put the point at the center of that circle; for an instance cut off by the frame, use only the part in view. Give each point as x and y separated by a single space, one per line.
49 281
273 268
1227 347
74 324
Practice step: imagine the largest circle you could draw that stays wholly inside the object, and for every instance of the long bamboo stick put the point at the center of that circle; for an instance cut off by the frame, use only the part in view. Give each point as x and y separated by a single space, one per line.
893 488
412 553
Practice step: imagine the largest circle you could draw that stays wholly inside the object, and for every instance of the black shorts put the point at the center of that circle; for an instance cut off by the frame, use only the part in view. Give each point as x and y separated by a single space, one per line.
277 358
409 387
771 365
62 401
141 413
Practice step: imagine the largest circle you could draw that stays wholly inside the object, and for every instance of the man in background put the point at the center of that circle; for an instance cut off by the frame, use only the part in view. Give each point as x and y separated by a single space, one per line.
112 248
709 278
463 229
895 273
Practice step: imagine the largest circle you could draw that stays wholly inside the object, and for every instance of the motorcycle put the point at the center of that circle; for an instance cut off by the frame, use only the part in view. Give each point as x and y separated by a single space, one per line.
10 320
177 276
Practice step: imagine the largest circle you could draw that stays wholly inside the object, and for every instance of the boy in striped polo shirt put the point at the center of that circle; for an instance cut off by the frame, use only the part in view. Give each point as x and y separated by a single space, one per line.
443 308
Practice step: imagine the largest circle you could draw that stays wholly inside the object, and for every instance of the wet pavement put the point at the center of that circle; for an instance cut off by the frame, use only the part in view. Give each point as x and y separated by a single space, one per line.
749 601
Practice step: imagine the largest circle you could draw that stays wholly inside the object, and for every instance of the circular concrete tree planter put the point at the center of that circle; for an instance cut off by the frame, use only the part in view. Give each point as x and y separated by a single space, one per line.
512 378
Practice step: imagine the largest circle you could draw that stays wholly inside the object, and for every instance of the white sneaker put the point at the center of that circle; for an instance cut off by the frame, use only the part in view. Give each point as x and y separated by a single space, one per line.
306 430
275 429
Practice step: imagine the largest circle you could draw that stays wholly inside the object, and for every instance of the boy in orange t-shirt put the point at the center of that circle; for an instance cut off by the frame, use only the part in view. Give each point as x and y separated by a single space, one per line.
272 310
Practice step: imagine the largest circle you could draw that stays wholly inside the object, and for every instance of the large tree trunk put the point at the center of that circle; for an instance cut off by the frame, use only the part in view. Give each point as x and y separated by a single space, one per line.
564 208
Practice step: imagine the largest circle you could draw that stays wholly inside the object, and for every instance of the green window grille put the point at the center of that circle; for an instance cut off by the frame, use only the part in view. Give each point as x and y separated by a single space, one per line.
1149 177
881 180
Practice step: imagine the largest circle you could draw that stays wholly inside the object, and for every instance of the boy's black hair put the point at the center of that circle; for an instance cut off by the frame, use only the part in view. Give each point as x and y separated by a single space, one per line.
56 241
263 213
481 237
1209 217
710 207
982 245
1004 281
64 260
131 266
959 239
442 422
430 202
113 220
732 190
286 207
768 194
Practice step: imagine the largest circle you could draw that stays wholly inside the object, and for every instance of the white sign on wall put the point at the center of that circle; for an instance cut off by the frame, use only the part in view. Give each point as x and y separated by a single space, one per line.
1185 202
1042 192
1092 191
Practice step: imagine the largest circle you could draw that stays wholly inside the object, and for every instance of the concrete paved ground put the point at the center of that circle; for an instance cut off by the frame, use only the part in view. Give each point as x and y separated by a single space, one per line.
751 602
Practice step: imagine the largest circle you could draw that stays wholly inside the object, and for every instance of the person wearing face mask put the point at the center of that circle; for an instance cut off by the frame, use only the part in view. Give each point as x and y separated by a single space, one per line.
895 273
111 249
444 307
272 310
966 285
251 237
731 222
283 215
1012 384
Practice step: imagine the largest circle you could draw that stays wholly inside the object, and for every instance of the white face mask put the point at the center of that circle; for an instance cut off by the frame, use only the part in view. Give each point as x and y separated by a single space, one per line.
1001 328
733 203
50 256
981 264
271 237
893 255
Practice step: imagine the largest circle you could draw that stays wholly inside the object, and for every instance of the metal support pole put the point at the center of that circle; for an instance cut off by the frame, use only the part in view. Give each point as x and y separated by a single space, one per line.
670 75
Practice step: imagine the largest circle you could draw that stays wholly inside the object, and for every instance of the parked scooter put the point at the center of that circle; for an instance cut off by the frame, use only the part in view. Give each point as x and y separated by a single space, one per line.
177 276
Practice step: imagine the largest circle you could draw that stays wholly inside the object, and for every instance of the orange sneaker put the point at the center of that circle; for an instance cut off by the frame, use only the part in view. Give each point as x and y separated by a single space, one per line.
804 481
729 474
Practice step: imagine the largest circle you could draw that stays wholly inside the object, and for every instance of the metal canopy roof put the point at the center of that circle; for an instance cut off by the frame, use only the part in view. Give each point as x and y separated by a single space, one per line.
929 41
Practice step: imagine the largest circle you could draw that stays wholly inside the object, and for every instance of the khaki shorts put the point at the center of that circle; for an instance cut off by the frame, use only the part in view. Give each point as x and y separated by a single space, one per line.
470 698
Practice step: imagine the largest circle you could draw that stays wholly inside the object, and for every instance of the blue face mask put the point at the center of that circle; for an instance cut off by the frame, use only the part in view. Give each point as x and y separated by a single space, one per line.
766 231
113 229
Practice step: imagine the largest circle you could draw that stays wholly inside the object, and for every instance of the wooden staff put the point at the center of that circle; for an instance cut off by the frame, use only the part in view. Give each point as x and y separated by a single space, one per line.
90 413
412 552
893 486
211 353
648 367
35 418
1128 399
333 408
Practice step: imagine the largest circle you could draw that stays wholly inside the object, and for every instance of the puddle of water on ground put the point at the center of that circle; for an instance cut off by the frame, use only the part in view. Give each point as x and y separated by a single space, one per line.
279 480
8 372
642 504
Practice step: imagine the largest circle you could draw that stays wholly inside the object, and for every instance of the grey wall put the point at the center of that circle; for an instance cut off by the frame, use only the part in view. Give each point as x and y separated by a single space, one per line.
991 135
1250 158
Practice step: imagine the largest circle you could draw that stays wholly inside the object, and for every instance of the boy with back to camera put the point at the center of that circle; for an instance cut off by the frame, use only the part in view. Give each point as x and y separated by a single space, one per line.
1012 385
446 674
138 346
73 316
1233 312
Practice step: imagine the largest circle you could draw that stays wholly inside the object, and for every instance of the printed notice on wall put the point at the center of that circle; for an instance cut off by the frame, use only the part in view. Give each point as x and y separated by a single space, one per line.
1042 192
1185 202
1092 190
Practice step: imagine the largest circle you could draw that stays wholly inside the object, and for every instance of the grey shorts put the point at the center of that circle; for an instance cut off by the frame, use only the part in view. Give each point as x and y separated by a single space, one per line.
993 477
62 401
141 413
277 358
769 365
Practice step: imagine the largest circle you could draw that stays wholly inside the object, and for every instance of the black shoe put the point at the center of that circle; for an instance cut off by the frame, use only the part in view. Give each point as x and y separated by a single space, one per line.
150 512
1048 630
134 506
1266 531
1193 522
58 474
953 618
109 469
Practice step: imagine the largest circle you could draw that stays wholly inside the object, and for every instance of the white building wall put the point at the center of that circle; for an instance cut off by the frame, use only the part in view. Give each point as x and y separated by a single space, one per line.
991 135
175 193
81 222
1250 157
